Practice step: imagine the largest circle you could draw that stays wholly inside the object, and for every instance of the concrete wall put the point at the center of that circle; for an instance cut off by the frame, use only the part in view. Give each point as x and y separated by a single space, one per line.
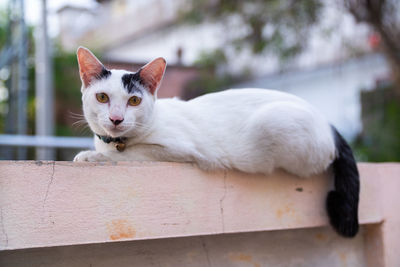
306 247
169 214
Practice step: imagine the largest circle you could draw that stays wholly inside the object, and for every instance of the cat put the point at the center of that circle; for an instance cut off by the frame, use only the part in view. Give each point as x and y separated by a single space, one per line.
251 130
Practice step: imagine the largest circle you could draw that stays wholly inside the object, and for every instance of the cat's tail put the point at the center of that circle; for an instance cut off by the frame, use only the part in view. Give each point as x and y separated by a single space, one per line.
342 202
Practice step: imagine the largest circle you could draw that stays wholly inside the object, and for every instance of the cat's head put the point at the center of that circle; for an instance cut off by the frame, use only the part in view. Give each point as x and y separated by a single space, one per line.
118 102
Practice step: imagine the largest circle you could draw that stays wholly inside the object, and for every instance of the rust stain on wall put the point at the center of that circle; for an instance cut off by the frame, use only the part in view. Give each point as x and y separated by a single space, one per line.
343 258
287 210
120 229
243 257
321 237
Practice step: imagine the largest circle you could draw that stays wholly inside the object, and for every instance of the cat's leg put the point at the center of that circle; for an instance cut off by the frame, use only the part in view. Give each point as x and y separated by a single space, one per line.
91 155
153 152
207 165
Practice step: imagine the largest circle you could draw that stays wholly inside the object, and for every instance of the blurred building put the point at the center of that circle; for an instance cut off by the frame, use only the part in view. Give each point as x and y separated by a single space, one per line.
134 31
330 73
141 30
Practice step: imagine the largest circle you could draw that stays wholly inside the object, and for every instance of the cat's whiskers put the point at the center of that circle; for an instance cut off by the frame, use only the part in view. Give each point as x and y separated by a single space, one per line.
81 125
76 115
85 130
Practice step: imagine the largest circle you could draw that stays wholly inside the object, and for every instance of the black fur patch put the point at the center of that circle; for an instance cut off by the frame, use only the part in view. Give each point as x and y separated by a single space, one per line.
342 203
128 80
105 73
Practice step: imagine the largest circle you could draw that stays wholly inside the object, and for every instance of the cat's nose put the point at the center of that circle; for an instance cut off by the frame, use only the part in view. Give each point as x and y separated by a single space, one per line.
116 121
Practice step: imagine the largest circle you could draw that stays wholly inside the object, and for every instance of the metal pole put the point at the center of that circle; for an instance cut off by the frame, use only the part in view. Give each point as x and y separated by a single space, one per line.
44 89
11 140
22 80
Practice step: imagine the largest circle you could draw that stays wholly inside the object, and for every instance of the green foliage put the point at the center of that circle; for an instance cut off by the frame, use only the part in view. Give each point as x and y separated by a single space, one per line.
67 85
209 80
265 26
4 34
66 78
211 60
3 28
277 26
380 139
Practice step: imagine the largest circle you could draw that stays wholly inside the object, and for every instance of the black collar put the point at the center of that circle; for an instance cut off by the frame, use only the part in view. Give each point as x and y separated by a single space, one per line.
119 142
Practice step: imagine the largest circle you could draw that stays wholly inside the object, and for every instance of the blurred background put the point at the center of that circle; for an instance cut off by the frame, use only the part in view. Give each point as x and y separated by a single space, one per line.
343 56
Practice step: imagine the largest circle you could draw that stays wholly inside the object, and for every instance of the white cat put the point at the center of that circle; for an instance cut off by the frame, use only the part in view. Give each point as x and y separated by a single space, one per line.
251 130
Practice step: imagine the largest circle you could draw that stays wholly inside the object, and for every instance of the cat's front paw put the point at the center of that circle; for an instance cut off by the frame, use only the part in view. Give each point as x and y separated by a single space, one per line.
90 155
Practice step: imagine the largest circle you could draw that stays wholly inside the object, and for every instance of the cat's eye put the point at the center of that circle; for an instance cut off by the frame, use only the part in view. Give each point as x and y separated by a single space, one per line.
102 97
134 101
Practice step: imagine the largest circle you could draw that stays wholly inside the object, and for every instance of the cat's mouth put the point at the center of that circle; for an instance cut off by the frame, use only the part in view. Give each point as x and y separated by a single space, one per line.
115 131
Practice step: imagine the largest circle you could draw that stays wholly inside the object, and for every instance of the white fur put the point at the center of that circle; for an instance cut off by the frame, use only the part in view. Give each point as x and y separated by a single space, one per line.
252 130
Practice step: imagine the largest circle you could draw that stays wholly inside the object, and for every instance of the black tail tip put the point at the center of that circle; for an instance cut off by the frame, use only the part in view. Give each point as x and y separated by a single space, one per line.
342 214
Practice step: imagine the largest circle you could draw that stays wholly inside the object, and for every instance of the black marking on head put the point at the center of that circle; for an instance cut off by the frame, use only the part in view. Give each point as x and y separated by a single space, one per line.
129 81
105 73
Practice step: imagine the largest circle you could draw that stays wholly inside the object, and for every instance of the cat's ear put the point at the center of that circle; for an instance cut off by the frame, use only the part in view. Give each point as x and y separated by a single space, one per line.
90 67
152 74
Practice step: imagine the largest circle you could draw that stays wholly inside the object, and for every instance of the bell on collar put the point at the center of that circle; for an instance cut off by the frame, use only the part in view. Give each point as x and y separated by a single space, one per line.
120 146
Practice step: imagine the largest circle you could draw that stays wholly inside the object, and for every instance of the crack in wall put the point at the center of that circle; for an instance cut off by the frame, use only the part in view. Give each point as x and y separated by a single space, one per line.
203 244
49 184
3 230
221 202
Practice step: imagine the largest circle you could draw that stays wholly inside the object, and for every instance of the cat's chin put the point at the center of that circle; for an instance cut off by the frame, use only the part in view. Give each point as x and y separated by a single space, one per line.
115 132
